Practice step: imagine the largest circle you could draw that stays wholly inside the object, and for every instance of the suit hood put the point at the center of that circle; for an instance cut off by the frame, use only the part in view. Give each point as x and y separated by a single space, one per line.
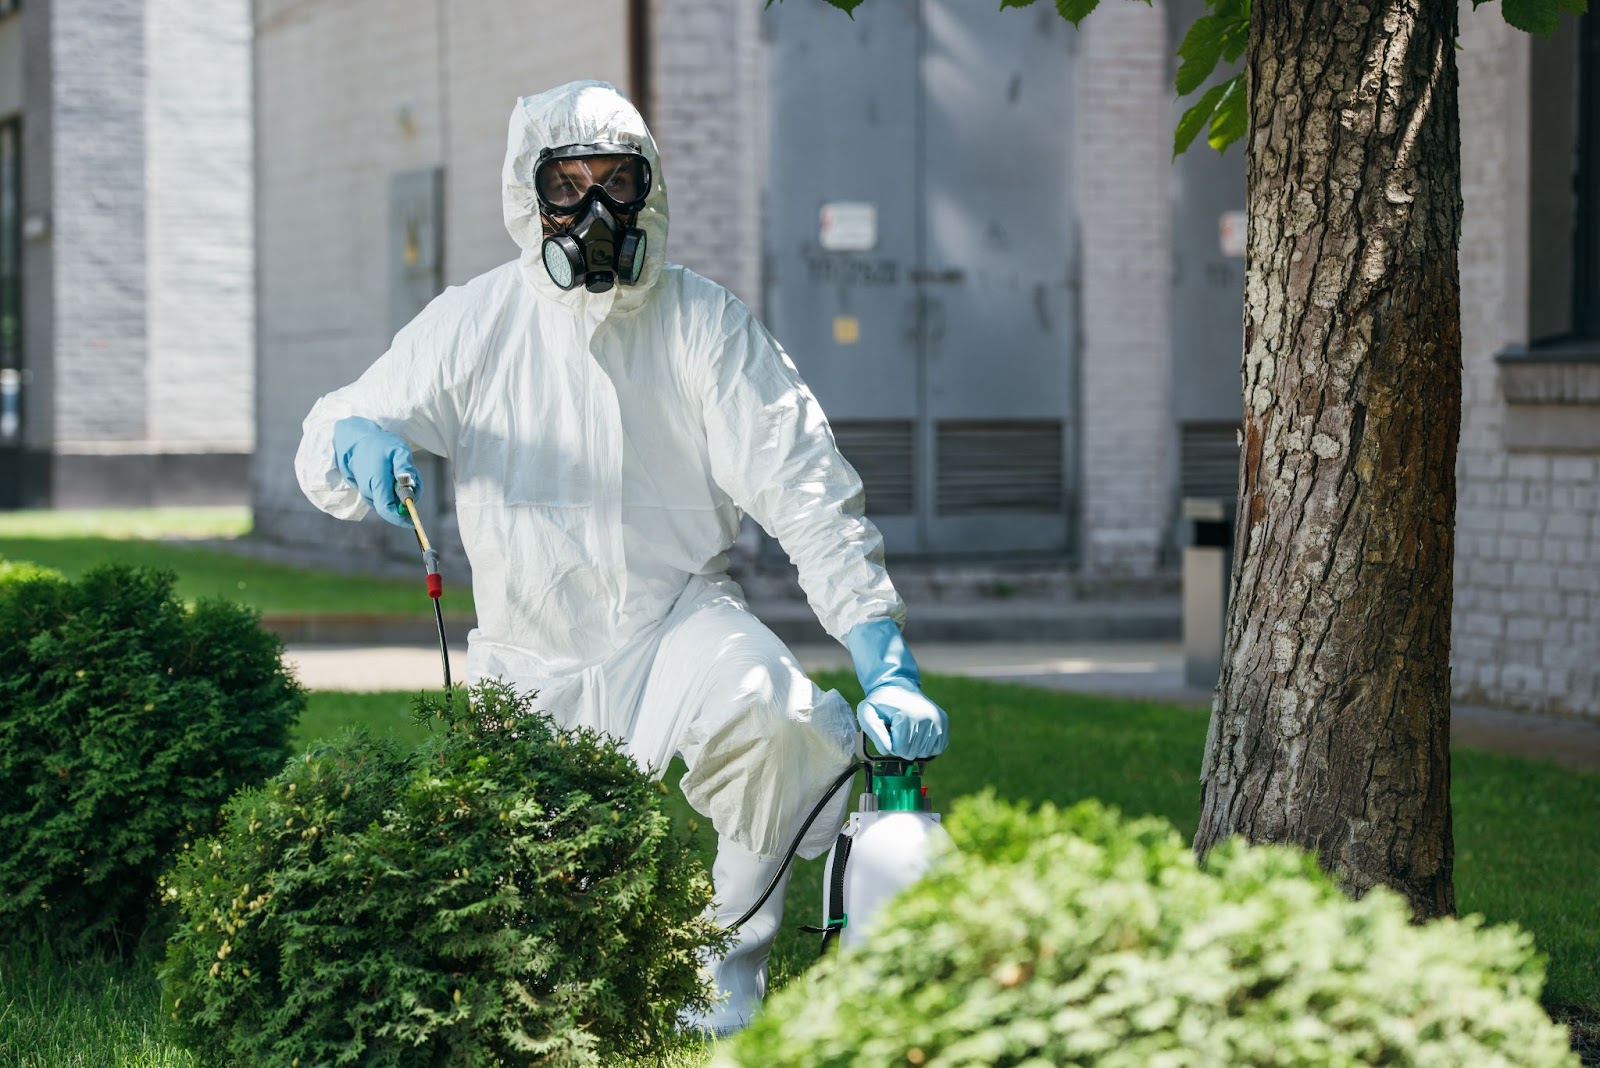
575 114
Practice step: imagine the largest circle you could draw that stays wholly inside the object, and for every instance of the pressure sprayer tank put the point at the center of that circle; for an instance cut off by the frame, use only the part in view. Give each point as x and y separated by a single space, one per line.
887 845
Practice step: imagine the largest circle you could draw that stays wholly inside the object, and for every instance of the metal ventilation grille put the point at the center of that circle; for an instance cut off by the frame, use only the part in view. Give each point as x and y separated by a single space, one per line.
1000 467
1210 460
884 454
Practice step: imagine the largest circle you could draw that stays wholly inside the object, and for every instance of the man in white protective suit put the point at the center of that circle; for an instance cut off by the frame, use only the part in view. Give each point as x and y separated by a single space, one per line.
609 417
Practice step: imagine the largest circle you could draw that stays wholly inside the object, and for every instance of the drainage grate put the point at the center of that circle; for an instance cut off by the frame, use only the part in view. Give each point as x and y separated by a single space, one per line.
1012 467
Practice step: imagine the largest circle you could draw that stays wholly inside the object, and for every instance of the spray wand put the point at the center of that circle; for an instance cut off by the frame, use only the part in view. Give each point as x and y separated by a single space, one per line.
405 487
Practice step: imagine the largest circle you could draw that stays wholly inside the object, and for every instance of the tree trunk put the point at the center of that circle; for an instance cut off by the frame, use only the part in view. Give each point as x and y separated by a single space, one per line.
1331 725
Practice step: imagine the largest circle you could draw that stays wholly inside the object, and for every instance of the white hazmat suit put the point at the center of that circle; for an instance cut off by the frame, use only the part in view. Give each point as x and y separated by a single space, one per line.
604 447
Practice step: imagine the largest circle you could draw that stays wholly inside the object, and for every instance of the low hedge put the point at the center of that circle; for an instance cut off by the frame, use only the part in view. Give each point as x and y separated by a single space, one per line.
15 571
1078 938
126 719
507 893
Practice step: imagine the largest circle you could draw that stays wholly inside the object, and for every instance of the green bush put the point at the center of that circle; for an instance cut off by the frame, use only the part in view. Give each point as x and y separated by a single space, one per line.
126 719
15 571
508 893
1077 938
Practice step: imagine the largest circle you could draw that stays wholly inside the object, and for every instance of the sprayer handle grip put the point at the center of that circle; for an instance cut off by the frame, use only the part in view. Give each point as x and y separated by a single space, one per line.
863 753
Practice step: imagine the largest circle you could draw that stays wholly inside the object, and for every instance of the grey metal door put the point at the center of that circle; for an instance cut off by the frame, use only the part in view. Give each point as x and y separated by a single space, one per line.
921 261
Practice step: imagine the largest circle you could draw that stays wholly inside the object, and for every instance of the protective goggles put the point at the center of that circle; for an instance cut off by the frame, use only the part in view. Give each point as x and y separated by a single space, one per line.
565 178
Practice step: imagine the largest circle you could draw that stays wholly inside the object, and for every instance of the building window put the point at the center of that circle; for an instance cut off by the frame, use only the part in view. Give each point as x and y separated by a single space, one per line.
1551 385
1586 186
10 282
1564 195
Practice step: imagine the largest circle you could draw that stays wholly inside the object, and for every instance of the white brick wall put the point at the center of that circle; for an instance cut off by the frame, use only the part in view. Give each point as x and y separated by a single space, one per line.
709 106
1527 605
98 160
1125 122
140 340
201 329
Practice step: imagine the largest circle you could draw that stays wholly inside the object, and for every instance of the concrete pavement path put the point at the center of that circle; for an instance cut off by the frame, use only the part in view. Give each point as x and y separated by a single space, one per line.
1143 669
1149 670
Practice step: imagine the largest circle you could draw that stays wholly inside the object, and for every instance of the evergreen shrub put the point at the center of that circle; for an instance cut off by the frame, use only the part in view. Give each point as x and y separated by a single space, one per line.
14 571
1078 938
126 719
508 893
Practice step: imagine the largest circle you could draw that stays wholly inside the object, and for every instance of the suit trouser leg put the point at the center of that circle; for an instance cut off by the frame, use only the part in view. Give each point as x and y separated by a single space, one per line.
762 742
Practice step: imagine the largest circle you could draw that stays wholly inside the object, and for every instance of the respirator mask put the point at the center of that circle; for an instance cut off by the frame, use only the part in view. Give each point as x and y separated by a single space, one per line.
591 196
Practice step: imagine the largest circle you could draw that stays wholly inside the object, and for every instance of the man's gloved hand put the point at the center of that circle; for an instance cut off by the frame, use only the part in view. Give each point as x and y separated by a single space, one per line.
371 459
895 715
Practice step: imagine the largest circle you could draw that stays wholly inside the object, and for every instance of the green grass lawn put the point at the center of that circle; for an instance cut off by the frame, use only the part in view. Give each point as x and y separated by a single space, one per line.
1526 848
128 523
73 542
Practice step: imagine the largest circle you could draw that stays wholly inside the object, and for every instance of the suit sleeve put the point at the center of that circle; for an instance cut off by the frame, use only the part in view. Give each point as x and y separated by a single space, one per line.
773 453
414 390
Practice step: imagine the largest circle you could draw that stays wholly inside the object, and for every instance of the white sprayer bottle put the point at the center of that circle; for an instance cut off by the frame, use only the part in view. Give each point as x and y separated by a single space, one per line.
885 847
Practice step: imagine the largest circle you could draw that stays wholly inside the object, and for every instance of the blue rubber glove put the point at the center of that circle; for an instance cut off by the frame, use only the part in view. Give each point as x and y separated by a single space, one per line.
371 459
895 715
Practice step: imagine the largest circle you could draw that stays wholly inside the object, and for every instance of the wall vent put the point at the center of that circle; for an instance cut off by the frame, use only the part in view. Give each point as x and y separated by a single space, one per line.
1007 467
883 452
1209 460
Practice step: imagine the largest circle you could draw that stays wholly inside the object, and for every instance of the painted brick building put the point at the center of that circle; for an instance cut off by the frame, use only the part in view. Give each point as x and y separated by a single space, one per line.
126 353
1527 605
368 111
430 90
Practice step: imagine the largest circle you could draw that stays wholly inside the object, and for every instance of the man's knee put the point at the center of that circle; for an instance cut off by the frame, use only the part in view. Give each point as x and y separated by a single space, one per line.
765 687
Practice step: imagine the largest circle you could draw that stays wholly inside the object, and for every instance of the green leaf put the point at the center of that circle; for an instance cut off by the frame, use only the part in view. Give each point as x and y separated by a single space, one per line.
1231 120
1074 11
1195 119
1532 16
1201 48
1540 16
847 6
1234 41
1015 3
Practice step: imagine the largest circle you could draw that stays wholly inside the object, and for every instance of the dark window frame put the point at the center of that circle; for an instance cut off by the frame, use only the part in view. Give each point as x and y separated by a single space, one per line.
1572 334
12 414
11 240
1586 188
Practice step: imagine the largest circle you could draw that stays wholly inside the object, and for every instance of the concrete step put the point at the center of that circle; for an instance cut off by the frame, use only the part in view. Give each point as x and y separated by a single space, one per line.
987 620
1000 619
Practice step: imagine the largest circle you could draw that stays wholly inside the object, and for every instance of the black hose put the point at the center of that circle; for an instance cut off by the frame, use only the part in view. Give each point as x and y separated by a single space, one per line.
794 846
444 649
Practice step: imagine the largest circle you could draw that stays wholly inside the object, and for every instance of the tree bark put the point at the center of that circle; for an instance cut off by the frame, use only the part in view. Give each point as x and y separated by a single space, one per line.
1331 723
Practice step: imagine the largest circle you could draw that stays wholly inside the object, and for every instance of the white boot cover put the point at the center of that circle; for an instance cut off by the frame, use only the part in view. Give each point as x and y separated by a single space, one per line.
738 878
